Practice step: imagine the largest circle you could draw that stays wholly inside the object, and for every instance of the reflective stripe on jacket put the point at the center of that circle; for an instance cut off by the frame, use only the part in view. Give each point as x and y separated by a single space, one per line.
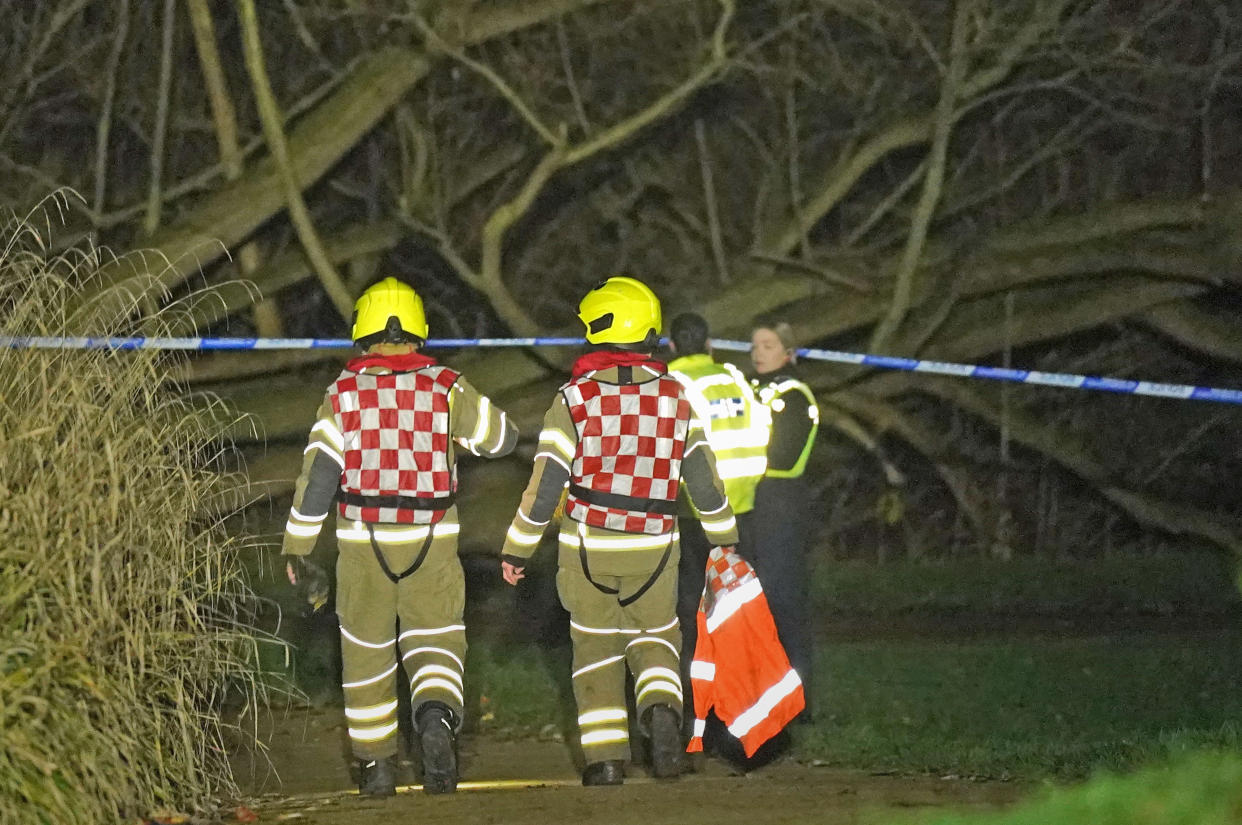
396 433
736 427
631 438
740 668
773 396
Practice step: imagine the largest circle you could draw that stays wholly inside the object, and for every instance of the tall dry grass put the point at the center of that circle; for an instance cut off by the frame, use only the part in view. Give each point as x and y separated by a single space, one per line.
122 601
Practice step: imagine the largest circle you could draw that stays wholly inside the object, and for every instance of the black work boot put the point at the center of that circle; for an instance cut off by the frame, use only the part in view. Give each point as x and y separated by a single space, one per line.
377 777
664 729
434 723
611 772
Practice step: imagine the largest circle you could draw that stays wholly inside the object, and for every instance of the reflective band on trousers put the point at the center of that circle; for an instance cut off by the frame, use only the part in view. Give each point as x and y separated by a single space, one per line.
611 660
659 685
599 737
370 713
373 734
444 684
439 670
438 650
595 717
372 680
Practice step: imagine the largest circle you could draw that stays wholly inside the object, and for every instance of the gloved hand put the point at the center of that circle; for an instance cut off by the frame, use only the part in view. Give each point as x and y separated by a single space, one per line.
310 580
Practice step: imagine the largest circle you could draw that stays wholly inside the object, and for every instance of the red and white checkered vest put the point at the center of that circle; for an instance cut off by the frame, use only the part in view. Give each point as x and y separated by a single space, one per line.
396 428
631 439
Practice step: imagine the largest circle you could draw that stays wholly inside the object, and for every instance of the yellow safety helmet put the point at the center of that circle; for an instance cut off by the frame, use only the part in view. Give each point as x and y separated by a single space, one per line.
389 307
621 310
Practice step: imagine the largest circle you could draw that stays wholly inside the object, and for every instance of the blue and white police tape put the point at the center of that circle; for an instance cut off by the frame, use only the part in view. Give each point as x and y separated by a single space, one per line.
1048 379
50 342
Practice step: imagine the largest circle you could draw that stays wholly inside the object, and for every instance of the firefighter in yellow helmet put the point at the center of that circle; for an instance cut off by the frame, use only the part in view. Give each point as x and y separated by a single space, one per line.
617 439
384 449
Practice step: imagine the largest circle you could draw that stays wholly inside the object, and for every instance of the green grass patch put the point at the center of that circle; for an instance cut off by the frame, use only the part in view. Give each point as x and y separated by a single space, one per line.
520 689
1191 583
1031 707
1200 789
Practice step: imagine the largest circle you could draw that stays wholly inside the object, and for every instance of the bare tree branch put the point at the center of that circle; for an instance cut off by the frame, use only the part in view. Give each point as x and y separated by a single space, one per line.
104 130
903 286
709 197
1212 333
1077 457
568 67
562 156
159 132
223 114
219 99
269 115
438 43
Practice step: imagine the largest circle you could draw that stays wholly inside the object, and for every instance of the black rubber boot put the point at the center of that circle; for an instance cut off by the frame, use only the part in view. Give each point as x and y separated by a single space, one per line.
434 723
664 729
378 777
611 772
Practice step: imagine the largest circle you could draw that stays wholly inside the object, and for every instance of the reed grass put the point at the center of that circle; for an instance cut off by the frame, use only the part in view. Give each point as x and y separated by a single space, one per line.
123 605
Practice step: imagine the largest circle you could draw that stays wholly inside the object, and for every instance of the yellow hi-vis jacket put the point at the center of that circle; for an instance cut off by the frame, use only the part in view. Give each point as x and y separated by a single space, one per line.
793 422
724 407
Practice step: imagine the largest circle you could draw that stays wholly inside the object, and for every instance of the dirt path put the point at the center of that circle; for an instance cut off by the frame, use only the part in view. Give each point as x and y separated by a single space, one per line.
306 780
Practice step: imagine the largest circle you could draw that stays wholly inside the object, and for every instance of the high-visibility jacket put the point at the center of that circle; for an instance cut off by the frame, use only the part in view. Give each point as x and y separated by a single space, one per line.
474 424
395 427
793 420
611 552
724 408
739 667
631 438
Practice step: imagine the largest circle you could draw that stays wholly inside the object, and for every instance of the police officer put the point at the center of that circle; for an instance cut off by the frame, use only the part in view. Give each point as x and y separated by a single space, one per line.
775 539
617 439
384 447
723 407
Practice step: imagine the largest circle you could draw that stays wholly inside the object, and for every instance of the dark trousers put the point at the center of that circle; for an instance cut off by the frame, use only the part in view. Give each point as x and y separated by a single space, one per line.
691 576
774 540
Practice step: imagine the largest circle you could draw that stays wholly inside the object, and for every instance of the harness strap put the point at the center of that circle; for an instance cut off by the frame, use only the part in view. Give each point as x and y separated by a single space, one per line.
616 501
418 562
437 503
612 591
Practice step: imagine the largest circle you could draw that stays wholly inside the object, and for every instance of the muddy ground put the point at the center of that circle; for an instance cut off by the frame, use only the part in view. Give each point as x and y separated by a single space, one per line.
305 778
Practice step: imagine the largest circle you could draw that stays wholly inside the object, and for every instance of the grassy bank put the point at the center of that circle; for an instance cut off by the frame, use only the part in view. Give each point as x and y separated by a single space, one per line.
1029 707
123 606
1035 707
957 696
1200 789
1162 584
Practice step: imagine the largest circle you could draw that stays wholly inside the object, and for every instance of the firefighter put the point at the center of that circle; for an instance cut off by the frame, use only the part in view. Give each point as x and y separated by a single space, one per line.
617 438
384 446
775 539
723 407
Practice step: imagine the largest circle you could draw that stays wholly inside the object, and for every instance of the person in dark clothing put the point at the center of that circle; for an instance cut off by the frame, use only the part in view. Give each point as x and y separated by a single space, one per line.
775 537
724 409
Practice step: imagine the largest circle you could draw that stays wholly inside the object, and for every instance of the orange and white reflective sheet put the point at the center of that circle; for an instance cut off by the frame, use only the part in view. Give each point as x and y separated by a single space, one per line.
740 668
